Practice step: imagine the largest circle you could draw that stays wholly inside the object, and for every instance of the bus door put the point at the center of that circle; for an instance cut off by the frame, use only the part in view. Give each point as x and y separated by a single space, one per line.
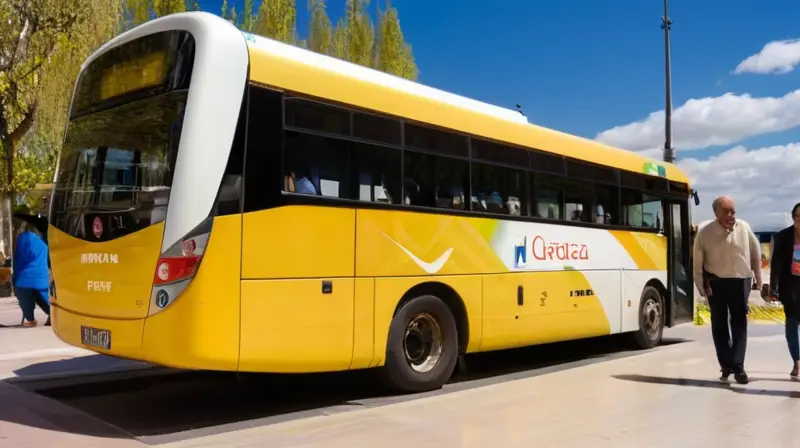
679 269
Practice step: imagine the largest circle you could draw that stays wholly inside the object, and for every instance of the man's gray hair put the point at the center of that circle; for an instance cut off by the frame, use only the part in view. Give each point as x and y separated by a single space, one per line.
715 204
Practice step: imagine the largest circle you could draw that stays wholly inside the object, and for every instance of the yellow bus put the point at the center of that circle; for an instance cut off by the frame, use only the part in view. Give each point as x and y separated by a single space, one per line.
228 202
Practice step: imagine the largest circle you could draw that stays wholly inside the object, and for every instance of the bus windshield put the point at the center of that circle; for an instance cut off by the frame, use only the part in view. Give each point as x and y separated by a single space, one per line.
117 165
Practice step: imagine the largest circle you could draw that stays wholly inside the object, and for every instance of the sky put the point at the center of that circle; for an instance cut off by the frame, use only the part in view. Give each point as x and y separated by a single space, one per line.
596 69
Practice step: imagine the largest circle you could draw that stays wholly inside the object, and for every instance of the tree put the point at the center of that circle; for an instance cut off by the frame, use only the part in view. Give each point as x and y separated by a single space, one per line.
31 31
359 31
408 68
224 10
277 19
234 18
392 54
194 5
319 30
247 16
59 74
339 47
137 12
166 7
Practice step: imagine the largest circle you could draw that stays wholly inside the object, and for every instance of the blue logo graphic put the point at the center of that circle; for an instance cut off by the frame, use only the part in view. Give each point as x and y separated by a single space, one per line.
162 298
520 254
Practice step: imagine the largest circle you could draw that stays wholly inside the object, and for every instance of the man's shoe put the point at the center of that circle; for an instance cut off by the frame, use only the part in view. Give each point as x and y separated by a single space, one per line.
741 377
47 322
795 370
725 376
29 323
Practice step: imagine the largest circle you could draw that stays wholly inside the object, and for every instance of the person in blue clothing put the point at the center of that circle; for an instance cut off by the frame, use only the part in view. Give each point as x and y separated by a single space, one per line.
31 274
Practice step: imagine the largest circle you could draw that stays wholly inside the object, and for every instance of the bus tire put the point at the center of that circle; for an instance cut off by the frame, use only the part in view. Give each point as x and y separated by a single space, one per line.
651 320
422 348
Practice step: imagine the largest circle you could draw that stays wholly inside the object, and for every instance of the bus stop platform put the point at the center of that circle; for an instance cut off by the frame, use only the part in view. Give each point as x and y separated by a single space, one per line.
666 397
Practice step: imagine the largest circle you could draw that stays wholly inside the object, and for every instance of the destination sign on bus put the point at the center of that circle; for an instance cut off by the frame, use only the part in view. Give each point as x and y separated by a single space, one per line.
141 72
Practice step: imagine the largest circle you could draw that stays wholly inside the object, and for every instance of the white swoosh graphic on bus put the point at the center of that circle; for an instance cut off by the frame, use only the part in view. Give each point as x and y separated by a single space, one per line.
432 267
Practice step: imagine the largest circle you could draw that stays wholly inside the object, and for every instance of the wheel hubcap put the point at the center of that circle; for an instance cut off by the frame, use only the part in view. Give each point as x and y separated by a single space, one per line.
423 343
652 318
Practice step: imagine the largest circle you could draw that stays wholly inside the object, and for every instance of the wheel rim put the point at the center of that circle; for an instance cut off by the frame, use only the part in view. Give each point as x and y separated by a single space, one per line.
423 343
652 317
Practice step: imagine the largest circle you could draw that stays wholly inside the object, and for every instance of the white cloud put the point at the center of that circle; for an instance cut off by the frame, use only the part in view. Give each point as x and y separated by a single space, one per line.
763 182
776 58
703 122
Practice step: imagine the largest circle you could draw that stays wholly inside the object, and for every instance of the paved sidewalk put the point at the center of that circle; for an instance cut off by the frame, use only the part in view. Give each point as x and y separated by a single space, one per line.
665 398
37 355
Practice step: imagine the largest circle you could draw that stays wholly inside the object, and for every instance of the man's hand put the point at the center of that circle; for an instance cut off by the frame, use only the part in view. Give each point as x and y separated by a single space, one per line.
706 289
768 294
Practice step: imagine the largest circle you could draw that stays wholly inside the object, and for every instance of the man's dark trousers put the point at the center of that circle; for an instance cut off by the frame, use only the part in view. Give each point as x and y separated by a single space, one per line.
729 297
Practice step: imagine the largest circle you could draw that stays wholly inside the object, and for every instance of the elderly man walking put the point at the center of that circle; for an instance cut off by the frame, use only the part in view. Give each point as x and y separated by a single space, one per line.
726 257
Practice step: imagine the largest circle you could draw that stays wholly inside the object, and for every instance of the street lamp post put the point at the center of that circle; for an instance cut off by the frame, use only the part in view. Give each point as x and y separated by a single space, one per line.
669 151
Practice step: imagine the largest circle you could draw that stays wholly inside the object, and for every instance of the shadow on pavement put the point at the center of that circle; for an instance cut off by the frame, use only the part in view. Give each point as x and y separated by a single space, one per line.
713 384
183 405
74 366
35 411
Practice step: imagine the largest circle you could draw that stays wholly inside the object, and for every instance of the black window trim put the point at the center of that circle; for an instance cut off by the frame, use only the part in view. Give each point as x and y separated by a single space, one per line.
531 172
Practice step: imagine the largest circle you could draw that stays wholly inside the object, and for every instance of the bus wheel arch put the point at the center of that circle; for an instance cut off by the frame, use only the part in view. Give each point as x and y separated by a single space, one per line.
665 299
652 305
453 301
423 344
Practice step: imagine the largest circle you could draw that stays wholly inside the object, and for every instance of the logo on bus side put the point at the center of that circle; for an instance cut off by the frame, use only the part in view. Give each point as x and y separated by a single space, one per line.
97 227
558 250
520 253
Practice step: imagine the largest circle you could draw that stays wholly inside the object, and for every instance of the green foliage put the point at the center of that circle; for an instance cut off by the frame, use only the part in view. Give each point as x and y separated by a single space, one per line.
320 29
247 16
354 38
44 42
277 19
393 55
360 32
32 31
166 7
234 19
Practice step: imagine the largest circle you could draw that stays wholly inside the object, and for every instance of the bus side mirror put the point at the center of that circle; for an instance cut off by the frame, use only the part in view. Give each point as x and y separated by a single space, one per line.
695 197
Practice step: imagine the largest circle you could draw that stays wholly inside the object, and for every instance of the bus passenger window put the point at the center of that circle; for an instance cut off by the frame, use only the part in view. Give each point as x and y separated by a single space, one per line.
578 201
377 173
641 210
440 181
547 195
605 211
316 165
498 190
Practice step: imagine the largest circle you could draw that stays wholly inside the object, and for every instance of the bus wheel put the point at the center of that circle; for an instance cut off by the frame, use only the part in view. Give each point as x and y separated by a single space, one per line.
422 348
651 320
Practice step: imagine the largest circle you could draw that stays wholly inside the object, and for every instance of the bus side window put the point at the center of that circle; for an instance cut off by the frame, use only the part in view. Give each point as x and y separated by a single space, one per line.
498 189
320 164
641 210
547 197
578 201
442 181
605 204
377 173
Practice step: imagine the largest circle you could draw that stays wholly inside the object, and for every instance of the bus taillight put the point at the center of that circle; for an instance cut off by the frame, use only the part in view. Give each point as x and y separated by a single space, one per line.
177 266
173 269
